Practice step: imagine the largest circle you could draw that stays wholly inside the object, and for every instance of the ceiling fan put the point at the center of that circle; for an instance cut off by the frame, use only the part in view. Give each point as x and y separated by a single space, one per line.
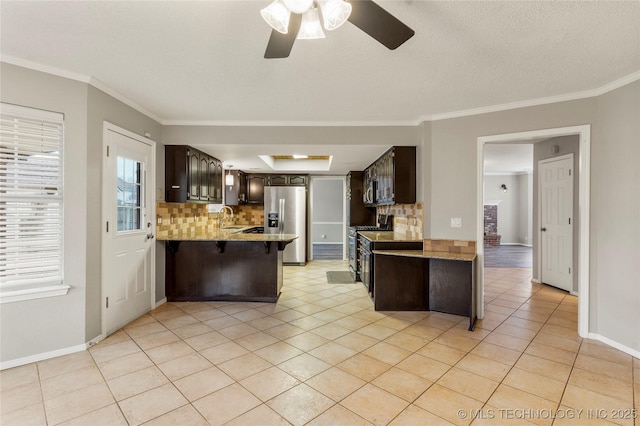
291 19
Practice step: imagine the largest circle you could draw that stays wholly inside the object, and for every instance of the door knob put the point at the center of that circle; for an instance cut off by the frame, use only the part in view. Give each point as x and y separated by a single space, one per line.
543 229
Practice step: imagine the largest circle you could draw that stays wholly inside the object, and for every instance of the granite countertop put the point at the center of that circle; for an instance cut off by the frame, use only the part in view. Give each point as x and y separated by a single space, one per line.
229 234
428 254
387 236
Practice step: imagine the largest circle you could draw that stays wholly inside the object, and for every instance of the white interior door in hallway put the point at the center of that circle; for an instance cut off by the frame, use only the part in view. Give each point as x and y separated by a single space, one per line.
128 227
556 221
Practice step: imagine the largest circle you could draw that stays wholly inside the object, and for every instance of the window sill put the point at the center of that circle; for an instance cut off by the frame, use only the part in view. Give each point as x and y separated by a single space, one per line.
33 293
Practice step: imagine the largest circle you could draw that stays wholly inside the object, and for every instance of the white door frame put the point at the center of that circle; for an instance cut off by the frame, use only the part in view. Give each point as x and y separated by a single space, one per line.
151 210
584 197
568 156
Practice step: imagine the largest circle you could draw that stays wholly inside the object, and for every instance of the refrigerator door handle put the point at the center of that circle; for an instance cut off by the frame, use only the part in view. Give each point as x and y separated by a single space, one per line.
281 223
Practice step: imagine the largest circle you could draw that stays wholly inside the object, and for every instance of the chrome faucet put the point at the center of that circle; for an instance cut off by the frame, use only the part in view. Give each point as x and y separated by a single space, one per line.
222 215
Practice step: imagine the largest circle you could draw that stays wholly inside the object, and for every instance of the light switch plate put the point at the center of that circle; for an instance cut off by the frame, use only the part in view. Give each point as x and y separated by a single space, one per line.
456 222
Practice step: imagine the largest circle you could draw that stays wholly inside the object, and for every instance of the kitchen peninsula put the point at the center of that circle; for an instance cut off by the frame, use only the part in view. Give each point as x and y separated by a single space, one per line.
225 264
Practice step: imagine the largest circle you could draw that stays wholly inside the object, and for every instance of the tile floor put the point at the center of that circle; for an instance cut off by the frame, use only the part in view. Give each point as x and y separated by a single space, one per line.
323 356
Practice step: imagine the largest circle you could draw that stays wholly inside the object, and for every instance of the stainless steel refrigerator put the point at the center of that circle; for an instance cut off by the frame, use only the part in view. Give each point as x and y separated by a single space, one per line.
285 212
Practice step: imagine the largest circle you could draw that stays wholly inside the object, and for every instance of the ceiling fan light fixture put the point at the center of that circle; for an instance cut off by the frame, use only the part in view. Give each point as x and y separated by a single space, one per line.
334 13
277 16
298 6
310 27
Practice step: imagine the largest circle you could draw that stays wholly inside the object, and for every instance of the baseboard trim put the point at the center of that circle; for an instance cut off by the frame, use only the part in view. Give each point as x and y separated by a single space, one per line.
42 356
160 302
595 336
535 280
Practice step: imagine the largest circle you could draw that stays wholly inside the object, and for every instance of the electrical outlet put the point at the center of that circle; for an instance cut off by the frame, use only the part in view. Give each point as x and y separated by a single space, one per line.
456 222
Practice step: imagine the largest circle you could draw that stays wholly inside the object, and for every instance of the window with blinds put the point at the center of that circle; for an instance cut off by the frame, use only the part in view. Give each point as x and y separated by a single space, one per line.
31 196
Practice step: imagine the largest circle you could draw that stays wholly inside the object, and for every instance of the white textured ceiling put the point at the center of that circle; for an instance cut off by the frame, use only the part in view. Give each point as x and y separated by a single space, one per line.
188 62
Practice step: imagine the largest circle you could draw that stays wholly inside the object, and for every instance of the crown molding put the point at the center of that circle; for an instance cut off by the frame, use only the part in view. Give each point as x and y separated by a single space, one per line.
513 173
47 69
425 118
540 101
59 72
122 98
291 123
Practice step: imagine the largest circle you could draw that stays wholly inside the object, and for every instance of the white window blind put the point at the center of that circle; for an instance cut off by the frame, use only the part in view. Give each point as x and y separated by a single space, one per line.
31 194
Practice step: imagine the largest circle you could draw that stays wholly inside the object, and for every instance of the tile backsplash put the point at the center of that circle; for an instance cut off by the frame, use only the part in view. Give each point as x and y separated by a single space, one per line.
190 219
194 219
450 246
185 219
249 215
407 218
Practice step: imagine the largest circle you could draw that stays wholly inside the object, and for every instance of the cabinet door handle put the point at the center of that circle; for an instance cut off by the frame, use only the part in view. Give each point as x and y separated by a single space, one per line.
543 229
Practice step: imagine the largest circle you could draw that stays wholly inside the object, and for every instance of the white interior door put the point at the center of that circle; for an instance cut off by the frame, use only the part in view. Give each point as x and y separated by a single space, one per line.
127 256
556 221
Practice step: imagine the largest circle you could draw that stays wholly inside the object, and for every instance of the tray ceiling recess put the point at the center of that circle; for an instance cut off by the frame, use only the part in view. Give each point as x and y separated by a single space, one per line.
309 163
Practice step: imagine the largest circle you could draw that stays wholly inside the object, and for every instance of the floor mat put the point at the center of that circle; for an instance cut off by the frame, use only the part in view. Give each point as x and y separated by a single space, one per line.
339 277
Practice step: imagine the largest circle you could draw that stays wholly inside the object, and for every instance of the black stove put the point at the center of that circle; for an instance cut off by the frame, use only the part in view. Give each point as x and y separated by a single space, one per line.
385 221
367 228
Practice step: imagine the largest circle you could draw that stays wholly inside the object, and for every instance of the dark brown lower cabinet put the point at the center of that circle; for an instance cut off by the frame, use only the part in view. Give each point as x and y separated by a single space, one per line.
452 288
400 283
232 270
408 283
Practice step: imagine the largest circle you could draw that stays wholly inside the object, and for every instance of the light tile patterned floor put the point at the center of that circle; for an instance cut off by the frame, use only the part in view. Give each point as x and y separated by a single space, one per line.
323 356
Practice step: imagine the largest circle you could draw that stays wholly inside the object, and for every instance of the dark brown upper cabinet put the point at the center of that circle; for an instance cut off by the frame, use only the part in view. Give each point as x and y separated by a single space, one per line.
255 188
287 180
191 176
391 179
357 212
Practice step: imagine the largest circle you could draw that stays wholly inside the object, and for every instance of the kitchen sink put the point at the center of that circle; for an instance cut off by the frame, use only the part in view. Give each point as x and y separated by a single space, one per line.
254 230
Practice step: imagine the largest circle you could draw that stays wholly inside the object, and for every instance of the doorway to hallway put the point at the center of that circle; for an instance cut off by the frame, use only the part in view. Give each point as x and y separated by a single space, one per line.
582 201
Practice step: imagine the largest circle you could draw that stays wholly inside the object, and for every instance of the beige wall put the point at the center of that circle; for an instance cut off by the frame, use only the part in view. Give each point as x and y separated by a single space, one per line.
58 323
615 209
454 157
53 323
615 193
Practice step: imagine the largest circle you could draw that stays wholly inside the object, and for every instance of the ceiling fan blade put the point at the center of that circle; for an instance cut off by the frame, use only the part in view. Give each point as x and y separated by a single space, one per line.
379 24
280 45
